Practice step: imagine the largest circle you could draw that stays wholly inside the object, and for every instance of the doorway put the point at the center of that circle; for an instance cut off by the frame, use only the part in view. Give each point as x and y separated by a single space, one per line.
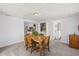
57 30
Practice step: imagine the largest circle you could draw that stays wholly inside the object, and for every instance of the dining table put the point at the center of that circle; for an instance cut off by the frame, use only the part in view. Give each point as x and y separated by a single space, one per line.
40 40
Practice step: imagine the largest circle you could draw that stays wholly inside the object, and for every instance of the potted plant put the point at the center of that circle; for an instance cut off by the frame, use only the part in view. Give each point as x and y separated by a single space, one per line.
35 33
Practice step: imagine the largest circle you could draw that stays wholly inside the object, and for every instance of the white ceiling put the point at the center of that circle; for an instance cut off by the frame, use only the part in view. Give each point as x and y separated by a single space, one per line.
46 10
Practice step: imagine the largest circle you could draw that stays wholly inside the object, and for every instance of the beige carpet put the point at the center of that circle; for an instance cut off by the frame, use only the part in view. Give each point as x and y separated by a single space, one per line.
57 49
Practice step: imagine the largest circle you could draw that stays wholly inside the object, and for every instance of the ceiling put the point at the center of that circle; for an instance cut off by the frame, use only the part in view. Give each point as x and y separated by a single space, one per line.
47 10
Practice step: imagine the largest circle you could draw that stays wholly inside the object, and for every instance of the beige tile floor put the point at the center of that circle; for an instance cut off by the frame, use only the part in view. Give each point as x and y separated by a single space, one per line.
57 49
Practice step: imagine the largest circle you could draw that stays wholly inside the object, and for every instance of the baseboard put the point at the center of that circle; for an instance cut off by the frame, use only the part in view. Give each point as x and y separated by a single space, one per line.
10 43
65 42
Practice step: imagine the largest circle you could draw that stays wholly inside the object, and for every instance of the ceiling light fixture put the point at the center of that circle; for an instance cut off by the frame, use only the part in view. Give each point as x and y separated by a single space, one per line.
35 13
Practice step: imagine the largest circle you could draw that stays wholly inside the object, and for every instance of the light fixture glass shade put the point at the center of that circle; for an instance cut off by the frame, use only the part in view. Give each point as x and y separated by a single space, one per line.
35 13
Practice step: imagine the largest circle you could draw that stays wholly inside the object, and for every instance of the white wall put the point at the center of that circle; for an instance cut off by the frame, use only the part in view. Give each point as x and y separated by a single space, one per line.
50 29
69 25
11 30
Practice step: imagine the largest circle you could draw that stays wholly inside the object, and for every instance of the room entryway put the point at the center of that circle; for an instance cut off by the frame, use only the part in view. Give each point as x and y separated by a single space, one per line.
57 30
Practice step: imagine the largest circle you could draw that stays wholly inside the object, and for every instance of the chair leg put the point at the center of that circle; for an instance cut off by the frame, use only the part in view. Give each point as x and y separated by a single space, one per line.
48 48
26 48
31 50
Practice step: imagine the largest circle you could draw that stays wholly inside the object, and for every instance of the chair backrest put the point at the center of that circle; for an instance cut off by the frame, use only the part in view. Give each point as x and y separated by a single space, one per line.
28 39
33 43
47 40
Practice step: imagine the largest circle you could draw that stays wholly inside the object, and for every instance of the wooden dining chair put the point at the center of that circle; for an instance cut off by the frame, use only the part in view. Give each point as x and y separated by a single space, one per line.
28 41
34 45
46 44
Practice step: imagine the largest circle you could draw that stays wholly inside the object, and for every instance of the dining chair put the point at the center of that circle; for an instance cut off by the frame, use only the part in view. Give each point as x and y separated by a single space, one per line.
46 44
28 41
34 45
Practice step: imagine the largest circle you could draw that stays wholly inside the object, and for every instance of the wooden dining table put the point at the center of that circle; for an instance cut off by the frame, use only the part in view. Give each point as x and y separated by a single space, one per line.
40 40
